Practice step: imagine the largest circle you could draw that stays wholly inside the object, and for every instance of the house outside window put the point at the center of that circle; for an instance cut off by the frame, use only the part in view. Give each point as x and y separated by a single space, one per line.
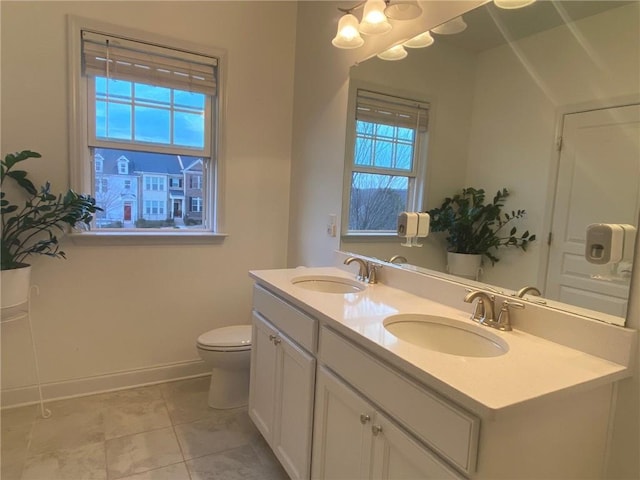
386 165
136 96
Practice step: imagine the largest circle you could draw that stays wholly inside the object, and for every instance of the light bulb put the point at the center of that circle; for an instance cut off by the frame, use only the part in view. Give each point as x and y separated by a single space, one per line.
348 35
394 53
512 4
455 25
420 41
374 21
403 10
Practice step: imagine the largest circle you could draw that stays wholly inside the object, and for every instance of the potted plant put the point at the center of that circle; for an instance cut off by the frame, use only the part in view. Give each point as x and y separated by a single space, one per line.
30 229
475 228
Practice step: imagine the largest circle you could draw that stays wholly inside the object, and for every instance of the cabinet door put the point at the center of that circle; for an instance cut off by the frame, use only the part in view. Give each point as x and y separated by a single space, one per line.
341 432
398 456
263 376
294 408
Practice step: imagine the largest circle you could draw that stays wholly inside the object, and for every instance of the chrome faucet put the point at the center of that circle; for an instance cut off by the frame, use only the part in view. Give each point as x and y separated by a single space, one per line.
397 259
485 308
524 290
483 312
363 272
367 270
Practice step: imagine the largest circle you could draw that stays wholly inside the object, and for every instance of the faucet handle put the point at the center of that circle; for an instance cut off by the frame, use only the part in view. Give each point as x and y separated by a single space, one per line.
373 272
504 319
509 303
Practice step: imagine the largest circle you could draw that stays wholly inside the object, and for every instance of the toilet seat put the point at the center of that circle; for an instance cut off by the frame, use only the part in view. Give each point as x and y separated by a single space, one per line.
236 338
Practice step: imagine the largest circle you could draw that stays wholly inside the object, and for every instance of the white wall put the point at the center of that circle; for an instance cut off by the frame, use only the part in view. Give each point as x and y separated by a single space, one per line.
113 310
588 64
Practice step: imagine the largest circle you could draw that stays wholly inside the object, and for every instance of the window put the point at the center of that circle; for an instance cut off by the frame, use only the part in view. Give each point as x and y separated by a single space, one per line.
102 185
146 110
195 182
154 208
196 204
123 166
155 184
386 161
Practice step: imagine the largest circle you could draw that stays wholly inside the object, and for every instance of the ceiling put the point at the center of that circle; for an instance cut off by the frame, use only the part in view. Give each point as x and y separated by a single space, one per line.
490 26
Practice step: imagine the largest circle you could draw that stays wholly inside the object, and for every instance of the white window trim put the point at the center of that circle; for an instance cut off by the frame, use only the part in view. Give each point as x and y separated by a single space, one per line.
421 168
81 174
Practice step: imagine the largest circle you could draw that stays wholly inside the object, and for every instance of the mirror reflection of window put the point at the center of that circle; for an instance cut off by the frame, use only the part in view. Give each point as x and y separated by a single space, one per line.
388 138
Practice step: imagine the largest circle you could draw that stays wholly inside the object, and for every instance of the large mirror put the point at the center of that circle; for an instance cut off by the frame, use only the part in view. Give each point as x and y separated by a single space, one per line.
543 101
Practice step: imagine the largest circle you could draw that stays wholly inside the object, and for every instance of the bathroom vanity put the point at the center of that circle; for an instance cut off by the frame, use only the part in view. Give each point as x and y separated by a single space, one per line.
337 395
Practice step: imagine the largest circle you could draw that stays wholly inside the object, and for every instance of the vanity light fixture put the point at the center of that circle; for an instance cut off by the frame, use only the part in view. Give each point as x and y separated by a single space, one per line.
348 35
512 4
375 20
455 25
396 52
420 41
402 9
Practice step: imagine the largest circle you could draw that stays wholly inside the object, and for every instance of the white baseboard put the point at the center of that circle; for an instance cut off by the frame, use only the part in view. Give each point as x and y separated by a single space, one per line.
103 383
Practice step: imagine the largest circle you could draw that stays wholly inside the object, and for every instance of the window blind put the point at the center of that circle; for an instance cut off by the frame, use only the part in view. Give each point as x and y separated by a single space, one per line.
124 59
378 108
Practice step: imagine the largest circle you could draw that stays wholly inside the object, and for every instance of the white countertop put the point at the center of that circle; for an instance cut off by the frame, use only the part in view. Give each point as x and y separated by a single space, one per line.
532 368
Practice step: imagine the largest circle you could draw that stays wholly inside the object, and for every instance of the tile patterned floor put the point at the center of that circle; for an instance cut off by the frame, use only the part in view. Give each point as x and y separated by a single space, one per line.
160 432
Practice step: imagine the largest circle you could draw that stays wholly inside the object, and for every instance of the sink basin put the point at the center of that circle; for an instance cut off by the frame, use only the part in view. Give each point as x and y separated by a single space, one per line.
328 284
446 335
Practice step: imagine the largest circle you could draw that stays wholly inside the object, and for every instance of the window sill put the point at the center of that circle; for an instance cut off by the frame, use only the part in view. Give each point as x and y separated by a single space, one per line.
147 238
370 237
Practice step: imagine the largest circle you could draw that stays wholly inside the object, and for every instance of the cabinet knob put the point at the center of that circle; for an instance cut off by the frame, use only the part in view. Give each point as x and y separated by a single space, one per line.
276 340
273 337
364 418
376 429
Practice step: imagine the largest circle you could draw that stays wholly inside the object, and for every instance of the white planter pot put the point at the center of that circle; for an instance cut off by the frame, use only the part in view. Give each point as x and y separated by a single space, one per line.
465 265
15 286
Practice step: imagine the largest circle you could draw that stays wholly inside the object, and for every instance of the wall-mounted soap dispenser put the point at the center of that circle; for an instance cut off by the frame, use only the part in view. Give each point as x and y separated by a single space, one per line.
609 243
411 226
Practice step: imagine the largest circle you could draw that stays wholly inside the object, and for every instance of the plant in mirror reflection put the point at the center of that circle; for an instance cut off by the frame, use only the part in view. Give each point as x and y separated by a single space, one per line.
474 227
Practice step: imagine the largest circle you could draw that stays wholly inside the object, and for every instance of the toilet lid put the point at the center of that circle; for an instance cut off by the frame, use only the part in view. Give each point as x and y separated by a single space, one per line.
237 336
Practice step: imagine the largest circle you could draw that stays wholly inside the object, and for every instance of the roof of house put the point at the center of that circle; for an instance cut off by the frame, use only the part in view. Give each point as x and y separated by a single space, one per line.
143 162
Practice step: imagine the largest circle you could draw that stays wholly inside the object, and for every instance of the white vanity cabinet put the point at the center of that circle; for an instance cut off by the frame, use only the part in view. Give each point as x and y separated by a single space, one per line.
335 402
354 440
449 431
282 380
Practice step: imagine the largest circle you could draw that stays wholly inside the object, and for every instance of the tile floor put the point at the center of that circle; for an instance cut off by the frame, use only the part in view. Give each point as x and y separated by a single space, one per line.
163 432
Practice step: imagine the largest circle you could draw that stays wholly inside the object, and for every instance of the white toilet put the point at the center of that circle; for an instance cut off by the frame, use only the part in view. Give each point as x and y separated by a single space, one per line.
227 350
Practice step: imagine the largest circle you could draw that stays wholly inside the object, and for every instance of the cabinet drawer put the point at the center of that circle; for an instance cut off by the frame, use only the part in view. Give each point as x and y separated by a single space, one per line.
291 321
448 429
